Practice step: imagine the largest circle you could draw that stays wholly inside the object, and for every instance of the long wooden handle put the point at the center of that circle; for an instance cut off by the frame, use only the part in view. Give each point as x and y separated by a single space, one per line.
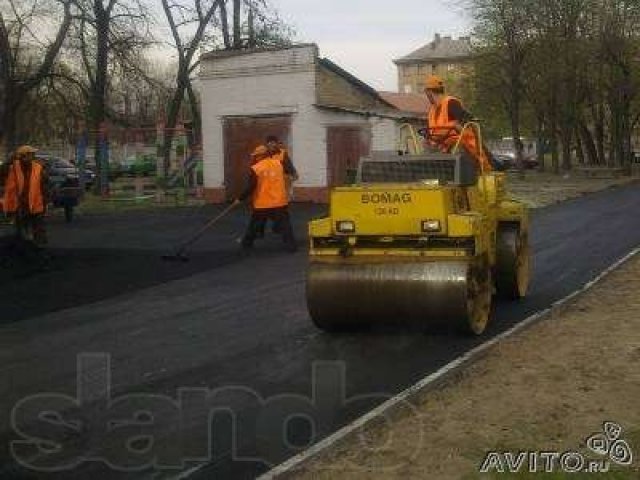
206 226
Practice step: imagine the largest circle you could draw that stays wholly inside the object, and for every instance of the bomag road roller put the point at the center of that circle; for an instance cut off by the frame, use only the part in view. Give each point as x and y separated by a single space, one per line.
418 239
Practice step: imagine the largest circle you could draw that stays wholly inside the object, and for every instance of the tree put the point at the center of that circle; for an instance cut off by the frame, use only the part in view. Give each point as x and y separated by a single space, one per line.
503 32
108 33
573 64
182 18
205 23
619 51
27 57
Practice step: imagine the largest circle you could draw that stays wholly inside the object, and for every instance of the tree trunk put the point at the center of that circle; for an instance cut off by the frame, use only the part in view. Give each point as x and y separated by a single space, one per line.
517 146
611 160
555 155
195 114
224 20
588 144
514 111
252 30
600 136
10 120
627 149
579 151
98 94
540 136
553 134
237 25
172 119
566 148
625 127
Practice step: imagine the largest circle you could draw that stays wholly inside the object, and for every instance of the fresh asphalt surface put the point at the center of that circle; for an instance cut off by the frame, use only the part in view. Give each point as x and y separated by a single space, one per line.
234 326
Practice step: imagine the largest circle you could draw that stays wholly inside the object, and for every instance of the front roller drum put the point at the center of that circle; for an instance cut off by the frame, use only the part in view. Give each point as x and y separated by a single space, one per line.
353 293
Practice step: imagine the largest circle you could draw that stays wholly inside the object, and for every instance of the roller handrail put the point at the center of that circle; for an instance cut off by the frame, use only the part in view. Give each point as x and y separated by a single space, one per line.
478 131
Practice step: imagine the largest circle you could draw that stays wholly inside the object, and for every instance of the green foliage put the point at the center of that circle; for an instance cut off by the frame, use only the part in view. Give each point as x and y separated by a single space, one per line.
563 71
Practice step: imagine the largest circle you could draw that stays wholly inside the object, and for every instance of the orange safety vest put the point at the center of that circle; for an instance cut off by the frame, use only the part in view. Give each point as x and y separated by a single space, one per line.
441 124
271 191
15 185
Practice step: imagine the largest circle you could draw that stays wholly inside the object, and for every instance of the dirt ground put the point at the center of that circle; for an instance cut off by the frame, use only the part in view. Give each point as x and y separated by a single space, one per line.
545 389
542 189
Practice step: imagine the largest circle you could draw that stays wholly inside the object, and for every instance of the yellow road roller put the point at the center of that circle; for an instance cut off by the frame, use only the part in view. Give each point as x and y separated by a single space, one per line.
418 239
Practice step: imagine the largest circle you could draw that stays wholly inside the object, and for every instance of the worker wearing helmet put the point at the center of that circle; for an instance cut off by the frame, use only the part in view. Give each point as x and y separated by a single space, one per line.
445 120
268 192
258 154
25 195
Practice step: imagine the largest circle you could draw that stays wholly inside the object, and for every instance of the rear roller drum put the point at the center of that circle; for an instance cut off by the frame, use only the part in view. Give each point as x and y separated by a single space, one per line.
478 301
512 261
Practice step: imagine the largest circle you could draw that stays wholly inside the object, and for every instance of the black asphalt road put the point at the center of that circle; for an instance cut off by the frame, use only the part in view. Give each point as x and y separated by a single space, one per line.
161 348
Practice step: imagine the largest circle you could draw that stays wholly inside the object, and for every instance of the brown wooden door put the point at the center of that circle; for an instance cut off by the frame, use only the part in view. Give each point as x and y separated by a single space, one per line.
241 136
345 147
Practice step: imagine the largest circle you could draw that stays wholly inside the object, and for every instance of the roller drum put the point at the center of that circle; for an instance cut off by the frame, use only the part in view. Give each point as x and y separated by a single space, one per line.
347 294
512 269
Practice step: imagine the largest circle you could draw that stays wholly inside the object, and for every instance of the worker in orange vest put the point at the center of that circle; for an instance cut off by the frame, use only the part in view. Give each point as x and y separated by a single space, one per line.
25 195
445 120
266 187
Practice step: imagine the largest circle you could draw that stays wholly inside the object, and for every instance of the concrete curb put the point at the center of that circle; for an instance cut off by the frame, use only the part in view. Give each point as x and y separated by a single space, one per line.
432 381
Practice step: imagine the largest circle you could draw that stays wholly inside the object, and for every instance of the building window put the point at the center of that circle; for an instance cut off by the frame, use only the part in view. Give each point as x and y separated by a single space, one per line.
433 68
451 67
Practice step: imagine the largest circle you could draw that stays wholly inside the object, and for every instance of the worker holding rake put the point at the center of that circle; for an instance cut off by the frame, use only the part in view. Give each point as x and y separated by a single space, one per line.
267 188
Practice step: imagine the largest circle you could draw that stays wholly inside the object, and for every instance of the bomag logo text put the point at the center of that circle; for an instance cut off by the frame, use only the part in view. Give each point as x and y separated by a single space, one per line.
386 197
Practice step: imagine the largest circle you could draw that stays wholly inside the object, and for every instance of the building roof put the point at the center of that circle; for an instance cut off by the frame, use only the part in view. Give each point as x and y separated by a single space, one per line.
441 48
249 51
352 79
407 102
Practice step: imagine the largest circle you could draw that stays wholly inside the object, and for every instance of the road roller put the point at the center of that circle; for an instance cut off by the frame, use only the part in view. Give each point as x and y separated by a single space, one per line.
417 239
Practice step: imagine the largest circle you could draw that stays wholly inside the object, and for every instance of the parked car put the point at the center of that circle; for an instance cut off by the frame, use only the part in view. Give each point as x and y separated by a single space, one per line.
64 184
89 178
503 161
507 158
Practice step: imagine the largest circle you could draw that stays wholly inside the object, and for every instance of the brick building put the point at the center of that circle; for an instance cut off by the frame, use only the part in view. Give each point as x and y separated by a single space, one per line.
450 58
326 117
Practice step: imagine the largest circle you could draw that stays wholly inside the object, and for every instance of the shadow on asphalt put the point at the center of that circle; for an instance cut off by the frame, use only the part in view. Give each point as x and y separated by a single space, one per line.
101 256
32 285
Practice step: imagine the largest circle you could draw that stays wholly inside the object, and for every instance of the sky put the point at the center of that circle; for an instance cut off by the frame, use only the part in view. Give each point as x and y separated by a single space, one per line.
364 36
